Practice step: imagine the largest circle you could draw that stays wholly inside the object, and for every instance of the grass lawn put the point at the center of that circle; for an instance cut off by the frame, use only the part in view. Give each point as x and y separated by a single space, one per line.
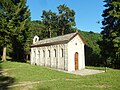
22 76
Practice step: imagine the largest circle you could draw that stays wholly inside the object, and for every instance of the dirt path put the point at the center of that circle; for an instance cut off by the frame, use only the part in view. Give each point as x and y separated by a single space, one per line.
30 83
36 82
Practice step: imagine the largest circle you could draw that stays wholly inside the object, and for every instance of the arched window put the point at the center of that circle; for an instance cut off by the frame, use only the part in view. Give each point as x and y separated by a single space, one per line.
61 52
48 53
34 54
35 39
54 52
39 54
43 53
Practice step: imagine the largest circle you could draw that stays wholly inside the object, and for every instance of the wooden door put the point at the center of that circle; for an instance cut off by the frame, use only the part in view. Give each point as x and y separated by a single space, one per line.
76 61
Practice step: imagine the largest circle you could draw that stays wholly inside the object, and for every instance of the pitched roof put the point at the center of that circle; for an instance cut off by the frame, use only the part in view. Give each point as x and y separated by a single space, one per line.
56 40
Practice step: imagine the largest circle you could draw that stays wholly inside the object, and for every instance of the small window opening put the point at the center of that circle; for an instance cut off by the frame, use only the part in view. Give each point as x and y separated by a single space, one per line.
61 52
55 52
43 53
34 54
39 54
48 53
35 39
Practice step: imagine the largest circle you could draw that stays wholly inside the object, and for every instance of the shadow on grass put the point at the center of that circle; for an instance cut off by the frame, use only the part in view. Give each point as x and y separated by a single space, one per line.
5 80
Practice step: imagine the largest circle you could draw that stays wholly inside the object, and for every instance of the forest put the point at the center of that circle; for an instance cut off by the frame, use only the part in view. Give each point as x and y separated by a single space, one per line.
17 31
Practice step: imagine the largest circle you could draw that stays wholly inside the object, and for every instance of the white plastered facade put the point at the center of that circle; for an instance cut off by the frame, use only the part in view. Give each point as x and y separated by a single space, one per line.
76 45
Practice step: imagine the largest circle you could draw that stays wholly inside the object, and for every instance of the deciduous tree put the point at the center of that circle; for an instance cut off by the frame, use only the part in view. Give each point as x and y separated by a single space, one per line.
66 20
61 23
50 21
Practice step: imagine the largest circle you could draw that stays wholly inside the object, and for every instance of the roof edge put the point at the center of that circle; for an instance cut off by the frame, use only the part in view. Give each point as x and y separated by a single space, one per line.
77 33
47 44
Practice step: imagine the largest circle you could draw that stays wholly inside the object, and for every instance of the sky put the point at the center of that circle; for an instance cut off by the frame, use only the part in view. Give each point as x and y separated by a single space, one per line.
87 12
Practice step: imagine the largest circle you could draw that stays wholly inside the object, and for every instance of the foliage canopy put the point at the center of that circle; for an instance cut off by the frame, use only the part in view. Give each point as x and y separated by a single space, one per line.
110 45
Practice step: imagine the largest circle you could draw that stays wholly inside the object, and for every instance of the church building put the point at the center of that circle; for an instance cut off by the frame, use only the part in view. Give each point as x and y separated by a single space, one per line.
63 52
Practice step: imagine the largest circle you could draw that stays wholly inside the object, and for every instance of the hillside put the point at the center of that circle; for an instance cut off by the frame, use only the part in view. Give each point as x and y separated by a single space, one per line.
23 76
92 50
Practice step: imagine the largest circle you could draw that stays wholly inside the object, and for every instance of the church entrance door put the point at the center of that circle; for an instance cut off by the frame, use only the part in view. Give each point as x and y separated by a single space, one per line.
76 61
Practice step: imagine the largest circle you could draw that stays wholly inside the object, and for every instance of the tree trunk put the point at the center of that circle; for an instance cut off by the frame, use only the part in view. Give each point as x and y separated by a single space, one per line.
62 31
4 54
50 32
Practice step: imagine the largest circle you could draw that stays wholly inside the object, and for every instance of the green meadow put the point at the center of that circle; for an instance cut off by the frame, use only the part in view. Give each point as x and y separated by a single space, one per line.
23 76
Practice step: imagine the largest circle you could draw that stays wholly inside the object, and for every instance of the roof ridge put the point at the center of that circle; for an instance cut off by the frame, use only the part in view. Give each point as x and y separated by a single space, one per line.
58 36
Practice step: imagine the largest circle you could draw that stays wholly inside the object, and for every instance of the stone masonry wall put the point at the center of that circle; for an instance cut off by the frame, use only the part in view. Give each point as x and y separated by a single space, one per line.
55 56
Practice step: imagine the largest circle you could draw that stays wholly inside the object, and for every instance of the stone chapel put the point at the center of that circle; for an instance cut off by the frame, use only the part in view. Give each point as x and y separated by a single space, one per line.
63 52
